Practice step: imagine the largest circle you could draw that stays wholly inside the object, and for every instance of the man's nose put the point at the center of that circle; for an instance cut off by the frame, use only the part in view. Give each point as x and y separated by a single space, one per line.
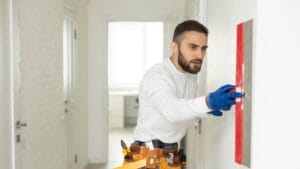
200 54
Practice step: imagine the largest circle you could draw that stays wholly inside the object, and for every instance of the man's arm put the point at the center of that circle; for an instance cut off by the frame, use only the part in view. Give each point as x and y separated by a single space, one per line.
165 101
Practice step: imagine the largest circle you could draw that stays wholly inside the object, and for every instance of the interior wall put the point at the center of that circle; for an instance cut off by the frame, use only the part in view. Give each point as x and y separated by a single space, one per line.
194 137
116 111
2 136
191 9
100 12
275 143
4 97
276 115
82 88
219 132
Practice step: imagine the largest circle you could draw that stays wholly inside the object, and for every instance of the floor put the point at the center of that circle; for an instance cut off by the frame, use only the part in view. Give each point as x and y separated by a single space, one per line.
115 156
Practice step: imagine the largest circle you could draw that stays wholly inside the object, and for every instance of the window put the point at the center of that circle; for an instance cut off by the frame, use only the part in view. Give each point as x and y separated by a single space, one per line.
133 47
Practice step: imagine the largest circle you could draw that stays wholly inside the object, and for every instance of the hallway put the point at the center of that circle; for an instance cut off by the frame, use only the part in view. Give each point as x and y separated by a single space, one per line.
56 81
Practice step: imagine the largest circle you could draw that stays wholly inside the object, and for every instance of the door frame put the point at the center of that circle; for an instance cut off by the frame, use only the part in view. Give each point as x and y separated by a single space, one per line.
71 98
11 81
195 139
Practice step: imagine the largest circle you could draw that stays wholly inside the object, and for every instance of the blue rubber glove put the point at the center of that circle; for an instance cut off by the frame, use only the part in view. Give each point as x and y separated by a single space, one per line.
216 113
222 98
227 108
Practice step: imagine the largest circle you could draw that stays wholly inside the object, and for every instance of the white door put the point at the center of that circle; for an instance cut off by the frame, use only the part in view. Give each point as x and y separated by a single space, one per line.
69 47
41 138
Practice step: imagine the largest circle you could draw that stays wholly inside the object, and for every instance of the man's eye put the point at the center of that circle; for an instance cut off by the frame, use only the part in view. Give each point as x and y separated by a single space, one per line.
194 47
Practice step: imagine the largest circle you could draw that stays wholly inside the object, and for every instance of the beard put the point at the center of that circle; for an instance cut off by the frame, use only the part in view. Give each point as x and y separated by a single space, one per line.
193 66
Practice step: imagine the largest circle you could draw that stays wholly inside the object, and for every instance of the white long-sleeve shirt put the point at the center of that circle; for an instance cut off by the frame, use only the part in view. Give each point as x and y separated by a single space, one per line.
167 103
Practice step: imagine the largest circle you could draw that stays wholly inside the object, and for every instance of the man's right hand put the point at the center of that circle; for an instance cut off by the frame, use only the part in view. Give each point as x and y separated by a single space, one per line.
222 98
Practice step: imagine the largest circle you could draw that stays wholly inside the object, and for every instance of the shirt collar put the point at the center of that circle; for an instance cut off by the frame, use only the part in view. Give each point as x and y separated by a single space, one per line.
177 72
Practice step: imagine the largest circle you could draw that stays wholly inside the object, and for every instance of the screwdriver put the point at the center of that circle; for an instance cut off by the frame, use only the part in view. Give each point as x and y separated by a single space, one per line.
125 150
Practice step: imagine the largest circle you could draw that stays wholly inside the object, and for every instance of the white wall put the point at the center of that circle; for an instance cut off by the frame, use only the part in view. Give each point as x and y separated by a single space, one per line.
276 116
116 111
99 13
222 18
192 9
2 136
82 80
275 123
194 146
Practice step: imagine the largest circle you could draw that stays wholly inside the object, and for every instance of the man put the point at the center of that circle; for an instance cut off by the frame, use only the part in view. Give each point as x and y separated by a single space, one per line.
168 91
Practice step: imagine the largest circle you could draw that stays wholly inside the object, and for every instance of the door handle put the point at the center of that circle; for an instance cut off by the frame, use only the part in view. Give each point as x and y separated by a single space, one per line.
19 124
198 125
69 101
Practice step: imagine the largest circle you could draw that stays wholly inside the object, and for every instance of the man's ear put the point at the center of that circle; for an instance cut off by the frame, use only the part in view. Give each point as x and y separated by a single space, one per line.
174 47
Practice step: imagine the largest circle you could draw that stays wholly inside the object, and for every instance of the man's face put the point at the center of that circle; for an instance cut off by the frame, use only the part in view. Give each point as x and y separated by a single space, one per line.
191 51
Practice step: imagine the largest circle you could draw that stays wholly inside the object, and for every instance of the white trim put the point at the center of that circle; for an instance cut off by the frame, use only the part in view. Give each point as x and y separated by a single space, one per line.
70 92
14 80
2 115
96 160
201 12
9 85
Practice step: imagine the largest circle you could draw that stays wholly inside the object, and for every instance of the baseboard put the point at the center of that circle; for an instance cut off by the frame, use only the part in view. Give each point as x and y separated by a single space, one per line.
96 161
85 166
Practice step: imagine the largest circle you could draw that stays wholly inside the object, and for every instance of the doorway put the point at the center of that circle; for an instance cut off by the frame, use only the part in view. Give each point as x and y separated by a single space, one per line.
133 47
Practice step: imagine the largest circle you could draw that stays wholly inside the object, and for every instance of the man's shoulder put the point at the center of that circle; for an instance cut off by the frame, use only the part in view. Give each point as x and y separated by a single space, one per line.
157 71
155 78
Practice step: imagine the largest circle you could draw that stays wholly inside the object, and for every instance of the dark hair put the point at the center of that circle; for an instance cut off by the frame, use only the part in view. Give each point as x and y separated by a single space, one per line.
188 25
